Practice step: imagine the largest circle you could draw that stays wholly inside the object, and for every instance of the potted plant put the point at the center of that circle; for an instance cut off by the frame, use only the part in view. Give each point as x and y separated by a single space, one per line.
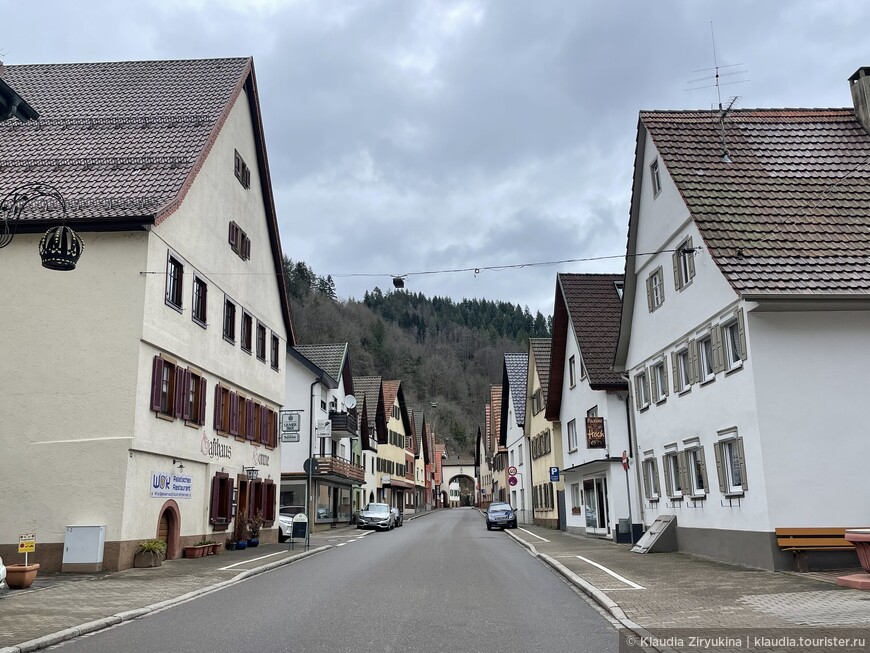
198 550
149 553
215 547
230 544
255 523
576 510
240 529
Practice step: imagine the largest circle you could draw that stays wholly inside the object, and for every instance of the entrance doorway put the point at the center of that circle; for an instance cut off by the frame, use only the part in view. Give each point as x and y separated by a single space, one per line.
169 528
596 506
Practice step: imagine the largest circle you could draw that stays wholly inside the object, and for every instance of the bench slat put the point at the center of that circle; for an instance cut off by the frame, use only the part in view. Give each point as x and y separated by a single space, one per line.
812 542
809 532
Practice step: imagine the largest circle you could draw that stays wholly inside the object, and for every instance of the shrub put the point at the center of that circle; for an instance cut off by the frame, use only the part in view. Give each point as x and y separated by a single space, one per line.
152 546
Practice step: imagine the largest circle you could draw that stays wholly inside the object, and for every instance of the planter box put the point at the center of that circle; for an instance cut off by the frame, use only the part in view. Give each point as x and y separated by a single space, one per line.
20 577
145 559
197 551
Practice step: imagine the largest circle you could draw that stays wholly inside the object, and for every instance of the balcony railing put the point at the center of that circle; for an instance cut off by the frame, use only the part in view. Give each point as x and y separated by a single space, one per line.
341 467
343 425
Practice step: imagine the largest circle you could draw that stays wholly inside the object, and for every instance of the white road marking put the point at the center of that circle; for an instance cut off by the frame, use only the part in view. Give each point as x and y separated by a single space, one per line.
244 562
533 535
612 573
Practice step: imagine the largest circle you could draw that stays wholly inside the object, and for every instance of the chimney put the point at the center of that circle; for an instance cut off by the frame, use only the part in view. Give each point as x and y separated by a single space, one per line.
859 84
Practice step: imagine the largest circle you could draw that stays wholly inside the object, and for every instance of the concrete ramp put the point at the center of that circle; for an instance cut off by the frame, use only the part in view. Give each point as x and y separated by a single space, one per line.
661 537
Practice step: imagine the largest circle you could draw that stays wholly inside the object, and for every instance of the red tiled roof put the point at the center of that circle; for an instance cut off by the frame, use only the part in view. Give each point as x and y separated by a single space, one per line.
391 391
790 212
117 139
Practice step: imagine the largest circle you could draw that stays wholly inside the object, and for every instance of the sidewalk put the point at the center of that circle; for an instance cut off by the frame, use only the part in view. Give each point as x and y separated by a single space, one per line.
664 593
58 607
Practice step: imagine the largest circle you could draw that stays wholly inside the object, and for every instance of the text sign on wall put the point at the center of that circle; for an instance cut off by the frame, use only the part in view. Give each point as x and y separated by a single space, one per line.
595 433
290 421
27 543
170 486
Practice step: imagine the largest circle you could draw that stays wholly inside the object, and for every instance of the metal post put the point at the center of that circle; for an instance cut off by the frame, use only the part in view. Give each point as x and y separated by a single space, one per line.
308 497
628 495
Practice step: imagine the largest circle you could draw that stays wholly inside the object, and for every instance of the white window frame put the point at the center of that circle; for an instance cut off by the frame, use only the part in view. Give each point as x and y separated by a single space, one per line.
650 469
641 384
706 359
572 372
682 370
575 496
672 469
659 382
731 464
655 289
655 177
696 471
572 435
684 264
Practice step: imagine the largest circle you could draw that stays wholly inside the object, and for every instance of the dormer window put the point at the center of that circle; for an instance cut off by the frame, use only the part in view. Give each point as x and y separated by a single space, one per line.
242 171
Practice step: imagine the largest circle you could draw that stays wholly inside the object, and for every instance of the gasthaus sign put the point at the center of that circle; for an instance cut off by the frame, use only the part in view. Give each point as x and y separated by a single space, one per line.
170 486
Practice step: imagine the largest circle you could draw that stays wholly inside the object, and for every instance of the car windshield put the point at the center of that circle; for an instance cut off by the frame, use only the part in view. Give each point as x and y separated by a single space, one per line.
500 506
289 511
377 507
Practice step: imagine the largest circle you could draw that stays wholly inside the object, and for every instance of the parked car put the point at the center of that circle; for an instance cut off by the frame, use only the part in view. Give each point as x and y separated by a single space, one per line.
500 515
376 515
285 521
397 516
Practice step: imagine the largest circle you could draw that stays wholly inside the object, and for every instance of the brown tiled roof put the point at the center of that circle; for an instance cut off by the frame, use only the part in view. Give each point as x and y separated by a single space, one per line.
117 139
790 212
540 348
495 418
391 391
591 303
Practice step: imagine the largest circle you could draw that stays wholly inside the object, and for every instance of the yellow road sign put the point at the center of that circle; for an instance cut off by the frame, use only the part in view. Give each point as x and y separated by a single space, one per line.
27 543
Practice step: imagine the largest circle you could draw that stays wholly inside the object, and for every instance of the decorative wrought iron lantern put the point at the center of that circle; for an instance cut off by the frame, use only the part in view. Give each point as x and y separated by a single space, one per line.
60 247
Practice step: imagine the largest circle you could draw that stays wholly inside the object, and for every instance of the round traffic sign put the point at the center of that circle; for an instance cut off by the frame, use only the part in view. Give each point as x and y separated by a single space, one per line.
512 470
625 459
512 480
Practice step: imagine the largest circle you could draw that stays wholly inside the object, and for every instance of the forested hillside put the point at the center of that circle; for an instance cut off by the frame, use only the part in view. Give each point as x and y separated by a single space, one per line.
443 351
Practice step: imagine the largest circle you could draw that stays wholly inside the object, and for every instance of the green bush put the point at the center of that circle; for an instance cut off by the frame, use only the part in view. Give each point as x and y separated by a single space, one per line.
152 546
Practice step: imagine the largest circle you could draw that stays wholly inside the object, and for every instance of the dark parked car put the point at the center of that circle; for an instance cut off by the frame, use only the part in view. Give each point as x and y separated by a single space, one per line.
376 515
500 515
397 516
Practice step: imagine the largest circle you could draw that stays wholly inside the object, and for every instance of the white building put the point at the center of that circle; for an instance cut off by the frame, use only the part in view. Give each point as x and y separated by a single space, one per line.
746 321
320 465
512 435
589 400
159 355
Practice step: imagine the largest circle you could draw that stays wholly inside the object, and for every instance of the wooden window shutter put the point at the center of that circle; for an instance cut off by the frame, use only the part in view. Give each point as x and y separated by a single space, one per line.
649 294
741 333
677 277
669 486
180 393
645 381
654 384
234 413
702 458
647 483
200 417
185 394
720 469
214 503
664 388
694 368
249 419
683 467
218 405
269 509
228 506
718 353
156 383
690 261
744 483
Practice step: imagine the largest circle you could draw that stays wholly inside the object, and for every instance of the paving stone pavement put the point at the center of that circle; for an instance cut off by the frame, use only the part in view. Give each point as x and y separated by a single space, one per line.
655 594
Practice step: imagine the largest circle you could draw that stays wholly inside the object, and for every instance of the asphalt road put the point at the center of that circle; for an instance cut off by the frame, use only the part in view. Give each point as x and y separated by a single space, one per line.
439 583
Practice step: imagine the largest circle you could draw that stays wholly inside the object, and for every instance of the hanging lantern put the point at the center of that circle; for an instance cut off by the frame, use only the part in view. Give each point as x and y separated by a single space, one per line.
60 248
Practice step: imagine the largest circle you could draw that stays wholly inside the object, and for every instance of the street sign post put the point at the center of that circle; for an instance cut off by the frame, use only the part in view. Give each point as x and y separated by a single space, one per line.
26 544
512 480
554 474
512 471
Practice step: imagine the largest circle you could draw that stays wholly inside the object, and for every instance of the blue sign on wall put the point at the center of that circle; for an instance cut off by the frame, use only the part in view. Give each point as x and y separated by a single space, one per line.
554 474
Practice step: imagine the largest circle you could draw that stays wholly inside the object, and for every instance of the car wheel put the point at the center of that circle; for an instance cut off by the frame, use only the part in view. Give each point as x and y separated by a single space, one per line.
281 538
488 526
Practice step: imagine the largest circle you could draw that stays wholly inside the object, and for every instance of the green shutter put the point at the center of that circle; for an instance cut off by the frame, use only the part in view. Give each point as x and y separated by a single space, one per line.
683 467
675 370
720 470
702 458
690 260
647 488
744 483
649 296
676 261
694 369
741 332
669 486
654 384
718 354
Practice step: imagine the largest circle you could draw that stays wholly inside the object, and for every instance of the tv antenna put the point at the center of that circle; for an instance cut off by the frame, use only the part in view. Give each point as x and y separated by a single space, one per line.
731 70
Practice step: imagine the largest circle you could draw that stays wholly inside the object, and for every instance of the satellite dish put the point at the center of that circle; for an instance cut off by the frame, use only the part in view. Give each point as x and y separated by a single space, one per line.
350 401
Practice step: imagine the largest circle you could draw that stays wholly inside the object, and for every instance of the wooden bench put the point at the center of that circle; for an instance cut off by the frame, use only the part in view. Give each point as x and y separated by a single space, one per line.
801 540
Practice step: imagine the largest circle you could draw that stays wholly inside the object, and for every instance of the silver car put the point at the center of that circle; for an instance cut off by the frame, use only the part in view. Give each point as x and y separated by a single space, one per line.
376 515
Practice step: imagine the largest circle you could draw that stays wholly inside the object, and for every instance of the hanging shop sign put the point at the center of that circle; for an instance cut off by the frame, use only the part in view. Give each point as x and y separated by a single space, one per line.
595 433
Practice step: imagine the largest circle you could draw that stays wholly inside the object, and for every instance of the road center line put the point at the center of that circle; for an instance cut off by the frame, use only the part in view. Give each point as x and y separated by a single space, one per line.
244 562
612 573
533 535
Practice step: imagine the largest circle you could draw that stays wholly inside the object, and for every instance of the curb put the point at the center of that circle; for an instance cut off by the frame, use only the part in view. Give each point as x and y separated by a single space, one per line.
591 591
92 626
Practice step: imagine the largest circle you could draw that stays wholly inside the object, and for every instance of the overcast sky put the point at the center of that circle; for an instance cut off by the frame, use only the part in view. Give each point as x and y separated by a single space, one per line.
422 135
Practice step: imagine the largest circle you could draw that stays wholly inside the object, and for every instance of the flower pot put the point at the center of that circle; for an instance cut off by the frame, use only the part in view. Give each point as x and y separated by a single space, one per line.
242 544
196 551
254 541
231 546
144 559
215 549
20 577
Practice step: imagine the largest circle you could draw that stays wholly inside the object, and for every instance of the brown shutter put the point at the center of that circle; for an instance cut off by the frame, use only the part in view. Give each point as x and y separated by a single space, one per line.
200 417
234 413
228 506
249 419
720 470
214 504
185 394
269 511
219 408
156 382
741 333
178 404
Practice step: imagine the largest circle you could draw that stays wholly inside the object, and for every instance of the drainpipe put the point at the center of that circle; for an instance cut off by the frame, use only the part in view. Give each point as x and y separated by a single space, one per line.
531 475
632 443
308 496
